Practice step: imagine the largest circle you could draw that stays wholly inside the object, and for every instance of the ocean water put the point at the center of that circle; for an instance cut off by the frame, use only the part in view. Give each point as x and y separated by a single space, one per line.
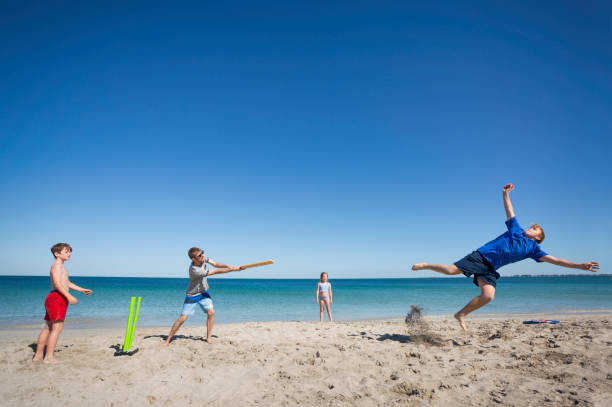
240 300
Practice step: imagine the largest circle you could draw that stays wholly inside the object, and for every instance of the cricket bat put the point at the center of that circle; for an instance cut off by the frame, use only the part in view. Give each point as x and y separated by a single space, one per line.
261 263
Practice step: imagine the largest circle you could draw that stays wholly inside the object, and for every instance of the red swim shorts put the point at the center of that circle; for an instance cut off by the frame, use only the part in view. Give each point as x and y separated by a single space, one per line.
56 306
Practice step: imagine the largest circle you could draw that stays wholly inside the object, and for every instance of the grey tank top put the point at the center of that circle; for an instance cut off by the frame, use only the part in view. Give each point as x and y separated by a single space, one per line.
324 287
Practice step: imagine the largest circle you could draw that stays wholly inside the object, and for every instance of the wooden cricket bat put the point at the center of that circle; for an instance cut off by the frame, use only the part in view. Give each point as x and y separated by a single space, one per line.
261 263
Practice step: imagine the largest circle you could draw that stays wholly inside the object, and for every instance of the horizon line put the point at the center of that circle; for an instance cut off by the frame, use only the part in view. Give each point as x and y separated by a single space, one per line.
339 278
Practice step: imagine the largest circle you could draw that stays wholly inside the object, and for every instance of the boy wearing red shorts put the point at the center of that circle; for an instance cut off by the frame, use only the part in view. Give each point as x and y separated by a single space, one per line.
56 303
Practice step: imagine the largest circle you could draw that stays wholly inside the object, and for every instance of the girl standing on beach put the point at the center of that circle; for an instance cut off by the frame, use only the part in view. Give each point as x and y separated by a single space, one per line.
324 296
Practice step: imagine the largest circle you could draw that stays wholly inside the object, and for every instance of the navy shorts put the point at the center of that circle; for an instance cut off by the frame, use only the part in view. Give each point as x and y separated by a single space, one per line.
474 264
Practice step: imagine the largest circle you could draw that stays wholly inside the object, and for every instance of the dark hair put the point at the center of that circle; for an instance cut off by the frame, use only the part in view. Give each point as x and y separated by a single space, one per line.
57 248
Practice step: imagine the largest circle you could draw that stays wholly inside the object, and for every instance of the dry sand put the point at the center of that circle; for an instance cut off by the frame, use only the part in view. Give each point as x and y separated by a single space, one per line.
370 363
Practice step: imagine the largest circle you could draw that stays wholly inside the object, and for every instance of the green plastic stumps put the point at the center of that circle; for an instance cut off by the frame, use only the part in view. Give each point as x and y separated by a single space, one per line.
131 325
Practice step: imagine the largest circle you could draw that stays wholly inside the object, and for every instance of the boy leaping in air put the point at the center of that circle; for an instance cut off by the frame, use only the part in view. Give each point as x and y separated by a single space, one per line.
514 245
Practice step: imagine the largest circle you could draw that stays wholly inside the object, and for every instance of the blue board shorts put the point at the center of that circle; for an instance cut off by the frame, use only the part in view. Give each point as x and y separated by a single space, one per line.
203 300
474 264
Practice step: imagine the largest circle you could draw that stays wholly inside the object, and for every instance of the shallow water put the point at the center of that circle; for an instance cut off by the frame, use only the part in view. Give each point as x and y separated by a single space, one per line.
239 300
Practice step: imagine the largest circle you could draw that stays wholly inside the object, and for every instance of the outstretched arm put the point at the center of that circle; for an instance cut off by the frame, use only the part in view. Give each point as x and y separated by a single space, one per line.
75 287
507 203
223 270
591 265
217 264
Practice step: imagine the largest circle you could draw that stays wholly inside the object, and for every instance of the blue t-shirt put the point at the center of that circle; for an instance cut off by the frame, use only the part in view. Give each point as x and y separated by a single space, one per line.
511 247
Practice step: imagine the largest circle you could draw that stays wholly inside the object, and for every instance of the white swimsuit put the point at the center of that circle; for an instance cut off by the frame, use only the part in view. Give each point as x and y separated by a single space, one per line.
324 289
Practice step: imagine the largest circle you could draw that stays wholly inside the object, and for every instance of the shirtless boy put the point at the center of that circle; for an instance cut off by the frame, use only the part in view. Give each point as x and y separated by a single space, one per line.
197 291
56 303
514 245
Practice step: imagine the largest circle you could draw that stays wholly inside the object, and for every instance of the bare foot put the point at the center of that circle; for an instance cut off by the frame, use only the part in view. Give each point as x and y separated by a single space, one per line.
209 340
163 345
37 358
419 266
461 319
51 362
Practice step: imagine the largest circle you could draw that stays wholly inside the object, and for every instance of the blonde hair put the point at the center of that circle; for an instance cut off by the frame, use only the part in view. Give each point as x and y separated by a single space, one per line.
193 252
542 235
57 248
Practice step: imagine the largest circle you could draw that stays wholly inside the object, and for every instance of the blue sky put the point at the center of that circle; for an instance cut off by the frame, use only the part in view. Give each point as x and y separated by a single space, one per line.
355 138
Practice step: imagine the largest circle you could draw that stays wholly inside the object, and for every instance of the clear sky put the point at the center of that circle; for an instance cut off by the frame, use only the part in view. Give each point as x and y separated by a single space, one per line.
355 138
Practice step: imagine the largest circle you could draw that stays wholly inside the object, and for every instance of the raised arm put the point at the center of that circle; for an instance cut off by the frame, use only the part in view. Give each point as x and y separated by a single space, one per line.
591 265
507 204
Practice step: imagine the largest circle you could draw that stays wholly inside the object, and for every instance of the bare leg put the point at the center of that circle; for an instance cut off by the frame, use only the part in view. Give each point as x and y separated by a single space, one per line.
55 329
449 270
42 341
175 327
210 320
329 314
487 293
322 307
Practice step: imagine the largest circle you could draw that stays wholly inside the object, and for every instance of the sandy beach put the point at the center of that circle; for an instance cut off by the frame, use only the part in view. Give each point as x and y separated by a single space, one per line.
387 362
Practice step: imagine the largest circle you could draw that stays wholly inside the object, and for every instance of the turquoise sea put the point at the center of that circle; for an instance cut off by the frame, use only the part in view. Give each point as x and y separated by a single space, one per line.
239 300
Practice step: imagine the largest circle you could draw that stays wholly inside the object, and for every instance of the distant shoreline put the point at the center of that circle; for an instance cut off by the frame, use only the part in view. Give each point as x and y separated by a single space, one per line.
338 278
561 275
